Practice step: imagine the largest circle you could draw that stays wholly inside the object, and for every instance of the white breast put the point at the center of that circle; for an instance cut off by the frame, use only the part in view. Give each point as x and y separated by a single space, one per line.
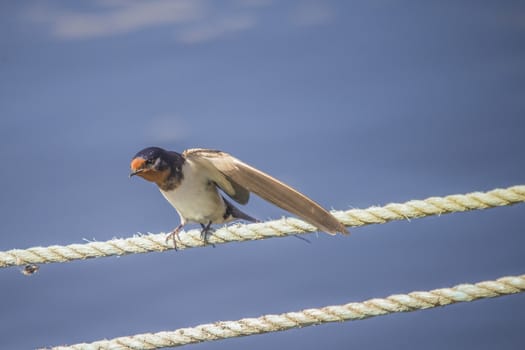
196 199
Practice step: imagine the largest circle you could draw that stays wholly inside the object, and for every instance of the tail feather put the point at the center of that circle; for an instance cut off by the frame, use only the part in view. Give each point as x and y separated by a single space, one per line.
235 213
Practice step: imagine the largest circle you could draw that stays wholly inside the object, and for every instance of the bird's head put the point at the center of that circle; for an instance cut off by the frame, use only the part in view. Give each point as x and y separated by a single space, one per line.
152 164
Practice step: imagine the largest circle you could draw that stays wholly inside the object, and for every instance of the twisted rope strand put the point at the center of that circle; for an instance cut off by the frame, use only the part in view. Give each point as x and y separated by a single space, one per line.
336 313
276 228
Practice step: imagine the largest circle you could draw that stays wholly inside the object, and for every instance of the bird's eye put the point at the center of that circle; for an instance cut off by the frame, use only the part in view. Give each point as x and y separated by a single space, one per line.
150 161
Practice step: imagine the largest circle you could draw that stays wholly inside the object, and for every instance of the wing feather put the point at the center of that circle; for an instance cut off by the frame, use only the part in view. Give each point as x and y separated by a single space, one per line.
202 157
235 174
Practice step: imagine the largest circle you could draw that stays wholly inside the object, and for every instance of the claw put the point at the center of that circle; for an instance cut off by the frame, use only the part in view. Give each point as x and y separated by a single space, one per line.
205 232
174 235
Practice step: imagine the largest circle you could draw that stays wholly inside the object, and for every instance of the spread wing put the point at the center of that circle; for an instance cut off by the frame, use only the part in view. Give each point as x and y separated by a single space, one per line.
237 179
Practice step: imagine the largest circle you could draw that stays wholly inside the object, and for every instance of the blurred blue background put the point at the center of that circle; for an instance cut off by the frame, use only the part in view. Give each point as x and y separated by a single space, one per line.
355 103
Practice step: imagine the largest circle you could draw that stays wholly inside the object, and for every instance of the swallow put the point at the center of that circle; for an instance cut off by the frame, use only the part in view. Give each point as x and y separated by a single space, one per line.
190 181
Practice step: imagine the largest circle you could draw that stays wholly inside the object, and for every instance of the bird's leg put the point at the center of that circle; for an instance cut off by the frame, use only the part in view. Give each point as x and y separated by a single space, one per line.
205 232
174 235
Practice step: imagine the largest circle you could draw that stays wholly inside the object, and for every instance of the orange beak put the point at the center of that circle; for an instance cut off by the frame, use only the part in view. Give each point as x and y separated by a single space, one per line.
137 166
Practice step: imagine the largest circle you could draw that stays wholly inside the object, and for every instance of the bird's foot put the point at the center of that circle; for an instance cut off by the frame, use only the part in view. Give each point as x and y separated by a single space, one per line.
174 235
206 230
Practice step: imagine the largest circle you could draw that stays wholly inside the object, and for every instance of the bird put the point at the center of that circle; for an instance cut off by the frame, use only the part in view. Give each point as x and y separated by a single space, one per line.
194 182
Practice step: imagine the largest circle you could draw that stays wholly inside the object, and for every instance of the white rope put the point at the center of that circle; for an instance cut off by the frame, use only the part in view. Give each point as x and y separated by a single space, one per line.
277 228
336 313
